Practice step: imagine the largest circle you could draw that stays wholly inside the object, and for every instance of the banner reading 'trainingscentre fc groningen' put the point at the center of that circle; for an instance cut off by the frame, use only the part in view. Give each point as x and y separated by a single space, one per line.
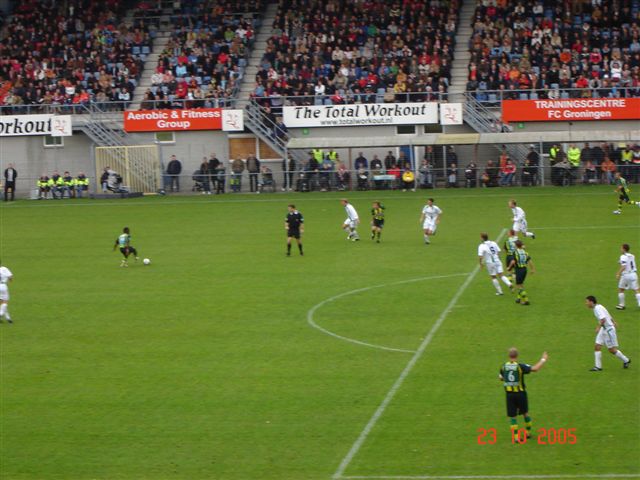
360 114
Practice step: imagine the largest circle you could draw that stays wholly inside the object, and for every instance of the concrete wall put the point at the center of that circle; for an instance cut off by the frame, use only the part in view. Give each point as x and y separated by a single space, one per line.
31 158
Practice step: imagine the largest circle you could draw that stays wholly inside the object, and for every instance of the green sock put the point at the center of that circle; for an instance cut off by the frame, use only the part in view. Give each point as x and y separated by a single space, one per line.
514 429
527 423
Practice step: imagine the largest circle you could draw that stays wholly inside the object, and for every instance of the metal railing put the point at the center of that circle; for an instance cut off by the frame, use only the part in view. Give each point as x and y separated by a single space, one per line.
493 98
278 101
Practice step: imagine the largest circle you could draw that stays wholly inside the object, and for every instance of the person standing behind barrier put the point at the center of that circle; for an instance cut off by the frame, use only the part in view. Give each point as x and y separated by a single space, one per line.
626 156
10 175
635 163
174 168
253 167
573 155
237 167
81 184
288 169
204 177
220 177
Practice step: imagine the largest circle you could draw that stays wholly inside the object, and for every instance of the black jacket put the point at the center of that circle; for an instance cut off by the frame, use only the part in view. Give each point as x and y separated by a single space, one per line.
174 167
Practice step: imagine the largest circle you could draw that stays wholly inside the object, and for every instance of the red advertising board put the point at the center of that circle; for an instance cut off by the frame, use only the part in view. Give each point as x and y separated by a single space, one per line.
173 120
571 110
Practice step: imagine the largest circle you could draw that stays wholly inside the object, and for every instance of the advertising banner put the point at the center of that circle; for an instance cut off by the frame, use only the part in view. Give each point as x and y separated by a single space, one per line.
233 120
571 110
361 114
19 125
450 114
173 120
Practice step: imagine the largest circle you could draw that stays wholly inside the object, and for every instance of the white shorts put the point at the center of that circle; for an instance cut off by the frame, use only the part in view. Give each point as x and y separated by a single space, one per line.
628 281
430 225
4 292
608 338
520 226
494 268
350 223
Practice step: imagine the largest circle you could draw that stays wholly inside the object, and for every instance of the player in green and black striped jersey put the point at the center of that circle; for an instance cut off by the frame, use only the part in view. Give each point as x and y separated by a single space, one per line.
512 375
622 189
377 220
510 248
521 263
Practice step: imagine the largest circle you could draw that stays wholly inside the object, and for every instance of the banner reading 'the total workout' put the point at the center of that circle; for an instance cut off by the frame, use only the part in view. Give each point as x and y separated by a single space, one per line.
361 114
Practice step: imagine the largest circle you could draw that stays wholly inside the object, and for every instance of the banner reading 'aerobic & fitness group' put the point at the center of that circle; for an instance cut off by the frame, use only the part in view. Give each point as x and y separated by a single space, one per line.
571 110
361 114
183 120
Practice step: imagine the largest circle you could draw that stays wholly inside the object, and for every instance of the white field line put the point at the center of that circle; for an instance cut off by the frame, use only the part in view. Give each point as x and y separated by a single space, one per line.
313 309
498 477
282 198
405 373
587 227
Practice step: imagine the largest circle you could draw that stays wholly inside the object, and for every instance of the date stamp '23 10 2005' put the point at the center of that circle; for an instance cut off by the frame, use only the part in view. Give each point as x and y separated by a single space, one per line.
544 436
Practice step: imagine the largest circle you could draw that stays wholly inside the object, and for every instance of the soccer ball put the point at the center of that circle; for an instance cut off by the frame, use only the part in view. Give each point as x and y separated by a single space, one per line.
146 261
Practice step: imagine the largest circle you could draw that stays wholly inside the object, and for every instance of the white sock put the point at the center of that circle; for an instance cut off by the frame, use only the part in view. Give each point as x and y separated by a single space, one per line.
506 281
496 284
621 299
638 298
3 309
598 356
621 356
528 234
426 238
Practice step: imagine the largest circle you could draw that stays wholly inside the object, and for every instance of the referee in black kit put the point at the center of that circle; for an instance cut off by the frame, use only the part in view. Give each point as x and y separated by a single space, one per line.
294 225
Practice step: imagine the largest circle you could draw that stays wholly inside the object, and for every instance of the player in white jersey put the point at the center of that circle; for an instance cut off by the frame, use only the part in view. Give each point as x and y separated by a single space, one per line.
489 256
5 277
519 220
605 334
350 224
430 219
627 276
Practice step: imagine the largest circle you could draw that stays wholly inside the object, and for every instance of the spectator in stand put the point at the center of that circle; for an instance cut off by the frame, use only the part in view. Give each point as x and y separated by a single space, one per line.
490 175
452 175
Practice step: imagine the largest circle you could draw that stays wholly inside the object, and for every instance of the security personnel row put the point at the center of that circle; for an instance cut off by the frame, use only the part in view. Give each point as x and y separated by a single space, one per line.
58 185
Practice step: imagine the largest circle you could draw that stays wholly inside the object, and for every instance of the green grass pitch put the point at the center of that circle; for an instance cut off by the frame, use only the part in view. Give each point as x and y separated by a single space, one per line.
203 365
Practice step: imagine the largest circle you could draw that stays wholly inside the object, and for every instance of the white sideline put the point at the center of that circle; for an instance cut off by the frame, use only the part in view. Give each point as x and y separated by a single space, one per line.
313 309
498 477
398 383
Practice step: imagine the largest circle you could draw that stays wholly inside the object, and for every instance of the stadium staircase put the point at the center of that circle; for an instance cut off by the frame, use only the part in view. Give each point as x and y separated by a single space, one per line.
263 34
163 34
461 55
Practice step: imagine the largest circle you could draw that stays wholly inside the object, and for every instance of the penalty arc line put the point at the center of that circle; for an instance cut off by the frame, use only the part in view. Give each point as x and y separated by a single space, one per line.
405 373
313 309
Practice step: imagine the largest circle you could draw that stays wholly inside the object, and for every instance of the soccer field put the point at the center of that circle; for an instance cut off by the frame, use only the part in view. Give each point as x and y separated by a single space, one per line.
226 359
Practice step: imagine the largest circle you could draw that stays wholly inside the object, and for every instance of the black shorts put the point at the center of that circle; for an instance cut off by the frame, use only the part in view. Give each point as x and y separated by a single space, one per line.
509 258
624 196
125 251
517 404
378 223
293 233
521 274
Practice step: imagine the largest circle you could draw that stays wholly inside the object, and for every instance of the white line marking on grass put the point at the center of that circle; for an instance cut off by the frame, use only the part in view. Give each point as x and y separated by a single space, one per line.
452 477
405 373
313 310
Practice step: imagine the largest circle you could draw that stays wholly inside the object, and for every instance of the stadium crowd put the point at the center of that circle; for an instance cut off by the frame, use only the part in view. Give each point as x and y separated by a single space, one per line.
71 53
204 60
337 52
548 49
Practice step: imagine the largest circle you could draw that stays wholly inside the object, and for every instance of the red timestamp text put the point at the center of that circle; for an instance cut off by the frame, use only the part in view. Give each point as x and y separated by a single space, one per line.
543 436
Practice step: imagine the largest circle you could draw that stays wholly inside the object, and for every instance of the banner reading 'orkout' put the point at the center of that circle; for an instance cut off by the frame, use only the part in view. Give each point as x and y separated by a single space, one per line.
571 110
